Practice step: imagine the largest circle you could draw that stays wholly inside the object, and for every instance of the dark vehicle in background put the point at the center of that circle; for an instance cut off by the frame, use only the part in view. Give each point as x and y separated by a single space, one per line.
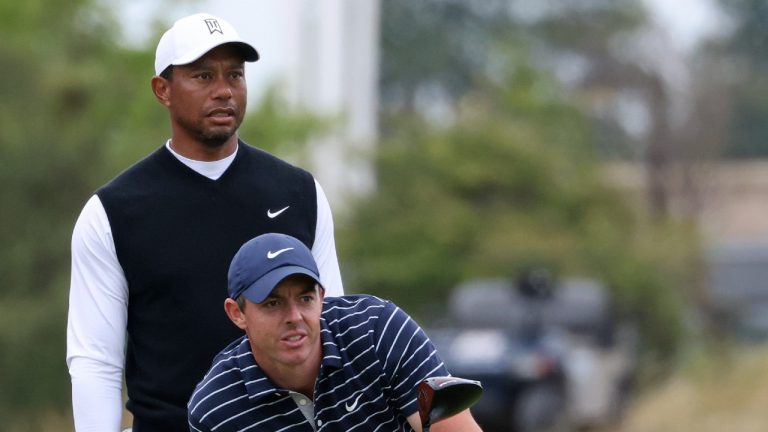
738 289
549 353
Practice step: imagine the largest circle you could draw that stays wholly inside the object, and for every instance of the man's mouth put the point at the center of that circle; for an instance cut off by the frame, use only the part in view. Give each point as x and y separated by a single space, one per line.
222 117
222 113
294 339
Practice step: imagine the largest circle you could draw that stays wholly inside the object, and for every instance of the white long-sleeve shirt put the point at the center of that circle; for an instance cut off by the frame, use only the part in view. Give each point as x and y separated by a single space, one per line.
98 305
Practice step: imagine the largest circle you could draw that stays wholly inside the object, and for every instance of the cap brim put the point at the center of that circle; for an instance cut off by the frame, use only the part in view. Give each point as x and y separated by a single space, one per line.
260 290
249 52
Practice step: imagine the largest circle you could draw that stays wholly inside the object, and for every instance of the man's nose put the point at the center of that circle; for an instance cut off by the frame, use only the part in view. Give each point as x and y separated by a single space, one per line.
223 89
293 312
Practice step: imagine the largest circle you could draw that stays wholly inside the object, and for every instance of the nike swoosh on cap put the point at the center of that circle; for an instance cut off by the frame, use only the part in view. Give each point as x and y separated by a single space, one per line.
272 215
273 255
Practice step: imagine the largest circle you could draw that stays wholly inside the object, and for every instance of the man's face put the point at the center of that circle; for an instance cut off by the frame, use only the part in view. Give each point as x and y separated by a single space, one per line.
284 329
207 98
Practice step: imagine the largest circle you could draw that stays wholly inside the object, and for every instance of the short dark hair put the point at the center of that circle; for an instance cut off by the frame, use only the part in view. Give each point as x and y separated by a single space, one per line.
167 73
240 300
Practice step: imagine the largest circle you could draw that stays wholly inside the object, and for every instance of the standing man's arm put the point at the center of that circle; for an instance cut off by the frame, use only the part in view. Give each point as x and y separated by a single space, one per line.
324 248
98 301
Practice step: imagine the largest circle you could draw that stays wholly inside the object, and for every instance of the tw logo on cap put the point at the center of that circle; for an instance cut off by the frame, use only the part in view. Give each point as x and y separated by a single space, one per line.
213 26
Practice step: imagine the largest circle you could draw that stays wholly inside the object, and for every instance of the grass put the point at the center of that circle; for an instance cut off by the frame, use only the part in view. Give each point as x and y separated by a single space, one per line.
728 392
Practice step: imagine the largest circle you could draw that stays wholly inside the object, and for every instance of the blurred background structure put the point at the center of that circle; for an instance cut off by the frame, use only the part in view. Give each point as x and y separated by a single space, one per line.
617 145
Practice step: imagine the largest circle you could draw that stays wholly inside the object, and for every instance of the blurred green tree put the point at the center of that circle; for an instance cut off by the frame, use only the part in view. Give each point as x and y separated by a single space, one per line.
512 183
436 49
743 70
432 58
70 96
507 174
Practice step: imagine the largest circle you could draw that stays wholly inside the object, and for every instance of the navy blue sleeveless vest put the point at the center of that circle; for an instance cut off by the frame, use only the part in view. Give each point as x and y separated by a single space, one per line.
175 232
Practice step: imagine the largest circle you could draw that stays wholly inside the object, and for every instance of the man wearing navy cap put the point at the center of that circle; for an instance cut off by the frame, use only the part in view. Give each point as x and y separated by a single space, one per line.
309 363
151 248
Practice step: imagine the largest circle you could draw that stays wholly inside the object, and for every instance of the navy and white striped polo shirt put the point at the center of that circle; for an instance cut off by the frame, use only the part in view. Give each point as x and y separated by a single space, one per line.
374 355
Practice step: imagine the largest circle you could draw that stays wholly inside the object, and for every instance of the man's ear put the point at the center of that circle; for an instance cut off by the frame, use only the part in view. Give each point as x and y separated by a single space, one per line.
162 90
234 313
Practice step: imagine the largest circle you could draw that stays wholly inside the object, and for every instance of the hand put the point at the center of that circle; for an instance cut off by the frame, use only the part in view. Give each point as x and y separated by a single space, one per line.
461 422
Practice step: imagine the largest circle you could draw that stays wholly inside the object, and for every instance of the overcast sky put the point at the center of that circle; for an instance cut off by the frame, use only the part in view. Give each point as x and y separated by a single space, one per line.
688 21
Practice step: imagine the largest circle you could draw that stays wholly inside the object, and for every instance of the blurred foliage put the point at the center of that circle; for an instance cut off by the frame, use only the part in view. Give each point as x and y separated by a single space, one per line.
509 176
69 99
588 42
744 70
436 48
271 126
512 183
77 109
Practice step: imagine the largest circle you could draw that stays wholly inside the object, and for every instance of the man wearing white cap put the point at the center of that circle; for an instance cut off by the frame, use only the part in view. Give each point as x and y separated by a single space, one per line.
151 248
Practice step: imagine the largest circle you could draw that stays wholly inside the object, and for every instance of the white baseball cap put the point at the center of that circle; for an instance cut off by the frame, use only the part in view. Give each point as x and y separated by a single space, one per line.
193 36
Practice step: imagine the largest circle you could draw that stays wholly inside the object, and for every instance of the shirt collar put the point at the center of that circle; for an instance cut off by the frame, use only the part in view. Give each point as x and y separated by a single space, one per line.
257 384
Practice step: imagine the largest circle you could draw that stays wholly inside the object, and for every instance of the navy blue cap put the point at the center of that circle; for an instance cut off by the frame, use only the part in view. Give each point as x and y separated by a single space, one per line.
264 261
